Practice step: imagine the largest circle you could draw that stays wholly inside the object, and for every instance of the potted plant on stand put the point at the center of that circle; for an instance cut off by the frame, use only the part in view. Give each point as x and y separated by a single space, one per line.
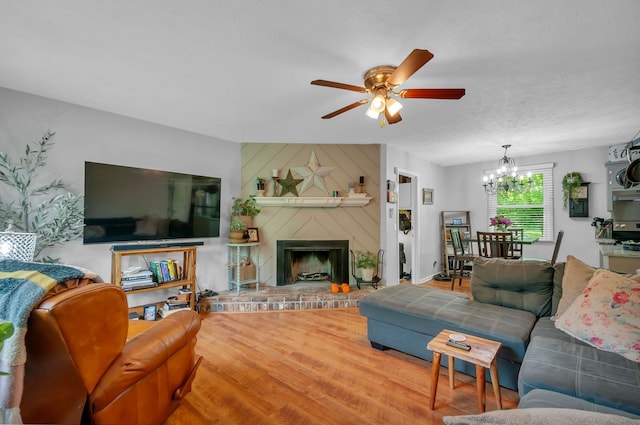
245 209
237 230
367 262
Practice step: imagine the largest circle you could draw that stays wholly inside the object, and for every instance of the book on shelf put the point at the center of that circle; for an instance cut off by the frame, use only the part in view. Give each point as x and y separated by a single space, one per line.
166 270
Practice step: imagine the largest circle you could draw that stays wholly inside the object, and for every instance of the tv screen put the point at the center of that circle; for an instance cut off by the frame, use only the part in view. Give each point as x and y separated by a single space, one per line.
131 204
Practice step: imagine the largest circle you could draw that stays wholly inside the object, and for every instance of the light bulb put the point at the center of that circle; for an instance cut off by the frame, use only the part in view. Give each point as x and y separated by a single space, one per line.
393 106
377 103
372 114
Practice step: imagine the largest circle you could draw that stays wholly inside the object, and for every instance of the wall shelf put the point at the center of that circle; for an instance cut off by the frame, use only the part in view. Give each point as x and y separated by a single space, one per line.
313 202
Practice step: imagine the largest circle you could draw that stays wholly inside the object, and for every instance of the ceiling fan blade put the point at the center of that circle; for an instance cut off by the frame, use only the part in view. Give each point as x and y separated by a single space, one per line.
409 66
338 85
431 93
392 119
345 109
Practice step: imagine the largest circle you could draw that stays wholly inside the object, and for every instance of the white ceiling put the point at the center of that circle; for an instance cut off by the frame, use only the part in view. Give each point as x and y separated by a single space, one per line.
544 75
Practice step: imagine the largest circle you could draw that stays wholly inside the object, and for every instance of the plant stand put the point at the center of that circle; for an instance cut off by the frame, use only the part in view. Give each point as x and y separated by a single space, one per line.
377 276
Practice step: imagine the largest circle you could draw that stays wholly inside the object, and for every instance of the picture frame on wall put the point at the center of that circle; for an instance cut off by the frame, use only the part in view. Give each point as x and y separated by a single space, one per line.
427 196
254 235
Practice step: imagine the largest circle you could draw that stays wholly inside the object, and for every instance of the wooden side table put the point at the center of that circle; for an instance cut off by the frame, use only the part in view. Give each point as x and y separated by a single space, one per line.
482 354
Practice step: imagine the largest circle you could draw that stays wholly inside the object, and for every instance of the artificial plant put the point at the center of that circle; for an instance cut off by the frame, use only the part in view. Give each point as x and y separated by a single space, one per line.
366 260
48 210
246 207
569 182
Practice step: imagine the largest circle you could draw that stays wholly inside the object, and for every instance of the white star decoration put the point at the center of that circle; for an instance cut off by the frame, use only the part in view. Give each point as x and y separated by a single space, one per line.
313 173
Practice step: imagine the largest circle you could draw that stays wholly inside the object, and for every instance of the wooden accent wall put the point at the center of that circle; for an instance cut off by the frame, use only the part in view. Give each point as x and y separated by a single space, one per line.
359 225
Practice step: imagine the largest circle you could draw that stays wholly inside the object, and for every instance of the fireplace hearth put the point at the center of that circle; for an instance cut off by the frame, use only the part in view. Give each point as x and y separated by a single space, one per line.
300 261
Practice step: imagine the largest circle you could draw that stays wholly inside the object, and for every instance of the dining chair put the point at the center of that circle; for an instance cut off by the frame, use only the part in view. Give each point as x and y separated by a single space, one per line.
518 235
556 248
495 244
459 256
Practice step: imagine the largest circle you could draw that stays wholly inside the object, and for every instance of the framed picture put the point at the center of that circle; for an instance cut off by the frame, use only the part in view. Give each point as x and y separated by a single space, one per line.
254 236
427 196
457 221
150 312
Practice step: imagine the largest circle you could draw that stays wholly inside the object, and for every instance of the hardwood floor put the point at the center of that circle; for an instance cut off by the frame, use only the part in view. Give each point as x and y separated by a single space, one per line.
314 367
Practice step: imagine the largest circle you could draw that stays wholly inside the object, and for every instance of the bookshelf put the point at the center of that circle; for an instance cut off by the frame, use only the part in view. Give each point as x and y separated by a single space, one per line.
187 263
449 220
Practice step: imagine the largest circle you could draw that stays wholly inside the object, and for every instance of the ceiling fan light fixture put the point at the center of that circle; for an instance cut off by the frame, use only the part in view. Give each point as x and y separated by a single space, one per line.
371 113
378 101
393 106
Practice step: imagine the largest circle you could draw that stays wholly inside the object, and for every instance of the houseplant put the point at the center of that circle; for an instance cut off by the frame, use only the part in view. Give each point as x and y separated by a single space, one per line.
245 209
48 210
367 262
237 230
499 223
569 182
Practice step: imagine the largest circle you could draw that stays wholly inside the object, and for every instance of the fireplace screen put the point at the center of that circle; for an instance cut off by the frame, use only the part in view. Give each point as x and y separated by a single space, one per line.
312 261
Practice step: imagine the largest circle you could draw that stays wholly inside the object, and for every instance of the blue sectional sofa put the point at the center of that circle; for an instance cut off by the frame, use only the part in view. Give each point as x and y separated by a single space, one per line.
513 302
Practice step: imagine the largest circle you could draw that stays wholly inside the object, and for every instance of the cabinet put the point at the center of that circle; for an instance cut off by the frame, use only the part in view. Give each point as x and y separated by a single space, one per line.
243 260
188 264
579 207
460 220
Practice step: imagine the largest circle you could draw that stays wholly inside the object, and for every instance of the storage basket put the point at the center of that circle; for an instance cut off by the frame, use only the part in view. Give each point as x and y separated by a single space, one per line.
247 270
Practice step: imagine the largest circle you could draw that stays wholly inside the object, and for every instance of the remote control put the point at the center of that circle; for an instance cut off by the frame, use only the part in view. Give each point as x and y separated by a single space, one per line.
459 345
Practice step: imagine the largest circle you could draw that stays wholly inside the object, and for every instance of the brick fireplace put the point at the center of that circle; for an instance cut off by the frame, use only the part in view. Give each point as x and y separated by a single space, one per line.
300 261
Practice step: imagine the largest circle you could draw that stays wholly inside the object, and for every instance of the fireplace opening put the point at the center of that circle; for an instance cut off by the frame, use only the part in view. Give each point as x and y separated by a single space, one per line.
300 261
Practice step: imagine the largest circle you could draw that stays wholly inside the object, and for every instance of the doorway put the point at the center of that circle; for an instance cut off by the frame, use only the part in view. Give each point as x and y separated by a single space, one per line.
407 226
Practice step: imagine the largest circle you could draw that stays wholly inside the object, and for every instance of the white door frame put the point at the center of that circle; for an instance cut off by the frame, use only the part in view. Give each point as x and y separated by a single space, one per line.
415 221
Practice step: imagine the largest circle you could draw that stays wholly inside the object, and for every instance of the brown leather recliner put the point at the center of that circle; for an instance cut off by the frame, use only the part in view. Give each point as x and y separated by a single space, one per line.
88 363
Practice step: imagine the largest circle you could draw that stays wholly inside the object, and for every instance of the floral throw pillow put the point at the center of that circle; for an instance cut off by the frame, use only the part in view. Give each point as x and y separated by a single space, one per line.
606 315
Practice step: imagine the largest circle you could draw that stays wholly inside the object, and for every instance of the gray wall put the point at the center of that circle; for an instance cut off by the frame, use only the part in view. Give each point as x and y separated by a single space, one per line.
84 134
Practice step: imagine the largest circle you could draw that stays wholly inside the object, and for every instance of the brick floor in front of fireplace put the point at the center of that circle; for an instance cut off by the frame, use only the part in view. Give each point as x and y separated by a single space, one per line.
299 296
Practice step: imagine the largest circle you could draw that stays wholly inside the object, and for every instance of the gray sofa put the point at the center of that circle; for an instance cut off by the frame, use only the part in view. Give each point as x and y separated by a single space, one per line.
512 303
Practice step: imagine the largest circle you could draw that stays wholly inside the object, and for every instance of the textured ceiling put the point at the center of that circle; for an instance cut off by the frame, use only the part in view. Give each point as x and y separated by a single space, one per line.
541 75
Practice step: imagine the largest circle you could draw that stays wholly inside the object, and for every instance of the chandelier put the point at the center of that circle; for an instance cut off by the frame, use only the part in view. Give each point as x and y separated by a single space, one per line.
506 178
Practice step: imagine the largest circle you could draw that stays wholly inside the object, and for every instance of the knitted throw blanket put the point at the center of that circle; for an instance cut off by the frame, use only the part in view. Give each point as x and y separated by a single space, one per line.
22 286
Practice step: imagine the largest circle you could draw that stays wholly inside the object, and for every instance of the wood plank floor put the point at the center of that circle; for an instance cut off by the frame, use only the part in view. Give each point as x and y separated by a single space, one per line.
314 367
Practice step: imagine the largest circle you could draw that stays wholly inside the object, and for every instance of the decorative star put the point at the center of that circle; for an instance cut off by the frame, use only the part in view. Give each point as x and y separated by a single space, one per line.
313 173
289 185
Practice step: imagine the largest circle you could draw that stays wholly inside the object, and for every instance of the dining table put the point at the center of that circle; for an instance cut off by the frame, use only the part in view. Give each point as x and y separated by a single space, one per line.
526 240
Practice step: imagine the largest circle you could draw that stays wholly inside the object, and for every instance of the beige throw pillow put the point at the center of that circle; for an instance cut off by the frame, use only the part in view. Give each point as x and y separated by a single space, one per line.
576 277
606 315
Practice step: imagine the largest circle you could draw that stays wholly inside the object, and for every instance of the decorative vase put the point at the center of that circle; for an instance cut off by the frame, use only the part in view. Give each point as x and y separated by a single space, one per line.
501 228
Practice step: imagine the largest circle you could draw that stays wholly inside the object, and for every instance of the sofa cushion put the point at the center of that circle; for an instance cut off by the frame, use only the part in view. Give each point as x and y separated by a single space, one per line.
539 416
555 362
524 284
427 311
545 398
576 277
606 315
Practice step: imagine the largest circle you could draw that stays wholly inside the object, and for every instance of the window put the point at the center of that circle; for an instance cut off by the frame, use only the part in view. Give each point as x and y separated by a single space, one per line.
531 211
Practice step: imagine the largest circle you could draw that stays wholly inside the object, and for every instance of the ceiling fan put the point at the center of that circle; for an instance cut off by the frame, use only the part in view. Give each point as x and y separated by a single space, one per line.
380 83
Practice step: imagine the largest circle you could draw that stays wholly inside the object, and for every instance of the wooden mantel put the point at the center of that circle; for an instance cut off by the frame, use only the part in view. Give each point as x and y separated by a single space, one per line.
313 202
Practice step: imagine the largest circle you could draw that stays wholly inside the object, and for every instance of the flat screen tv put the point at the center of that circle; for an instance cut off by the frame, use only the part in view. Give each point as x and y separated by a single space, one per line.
126 204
